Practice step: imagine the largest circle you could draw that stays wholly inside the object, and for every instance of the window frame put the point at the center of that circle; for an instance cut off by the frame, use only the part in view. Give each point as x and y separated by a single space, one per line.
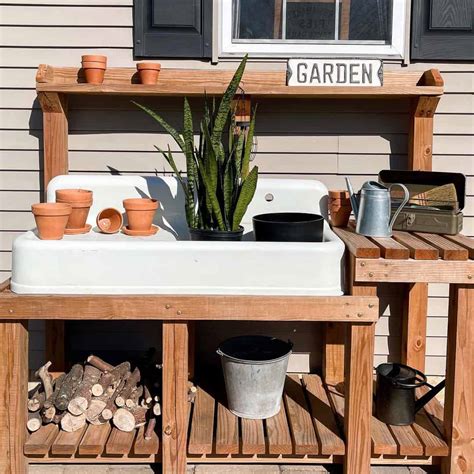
227 48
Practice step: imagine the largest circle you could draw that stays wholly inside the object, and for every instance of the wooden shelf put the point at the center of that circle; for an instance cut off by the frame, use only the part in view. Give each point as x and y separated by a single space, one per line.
197 82
307 430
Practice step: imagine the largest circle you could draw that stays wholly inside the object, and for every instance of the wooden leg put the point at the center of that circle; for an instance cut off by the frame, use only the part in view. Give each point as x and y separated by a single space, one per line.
459 399
175 397
14 393
415 312
358 397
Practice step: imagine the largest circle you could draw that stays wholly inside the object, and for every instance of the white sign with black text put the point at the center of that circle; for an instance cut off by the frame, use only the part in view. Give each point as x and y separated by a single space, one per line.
335 72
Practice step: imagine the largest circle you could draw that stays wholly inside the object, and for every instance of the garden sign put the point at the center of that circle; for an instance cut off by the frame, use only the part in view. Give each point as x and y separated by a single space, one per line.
335 72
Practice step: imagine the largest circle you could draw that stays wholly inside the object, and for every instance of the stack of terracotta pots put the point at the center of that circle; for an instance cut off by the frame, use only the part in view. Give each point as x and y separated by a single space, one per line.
148 72
94 68
51 219
140 214
339 207
80 201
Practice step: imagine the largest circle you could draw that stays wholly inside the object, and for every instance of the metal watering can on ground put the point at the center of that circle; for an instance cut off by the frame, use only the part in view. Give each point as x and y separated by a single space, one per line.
395 401
373 208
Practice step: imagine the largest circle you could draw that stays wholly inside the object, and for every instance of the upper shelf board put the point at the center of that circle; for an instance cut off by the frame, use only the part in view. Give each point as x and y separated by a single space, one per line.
198 82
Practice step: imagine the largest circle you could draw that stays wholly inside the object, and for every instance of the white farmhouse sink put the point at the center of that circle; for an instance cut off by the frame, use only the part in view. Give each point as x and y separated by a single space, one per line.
168 262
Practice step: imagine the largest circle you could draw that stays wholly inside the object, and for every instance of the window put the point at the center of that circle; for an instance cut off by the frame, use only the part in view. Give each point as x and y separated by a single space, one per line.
313 27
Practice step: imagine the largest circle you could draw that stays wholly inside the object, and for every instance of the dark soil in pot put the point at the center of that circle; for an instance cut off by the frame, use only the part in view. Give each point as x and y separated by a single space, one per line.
204 234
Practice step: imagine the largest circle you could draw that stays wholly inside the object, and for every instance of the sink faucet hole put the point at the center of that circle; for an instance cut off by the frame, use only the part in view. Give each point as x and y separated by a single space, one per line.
269 197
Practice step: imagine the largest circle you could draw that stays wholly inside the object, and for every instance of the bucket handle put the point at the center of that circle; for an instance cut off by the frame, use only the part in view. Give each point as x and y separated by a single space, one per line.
420 380
219 352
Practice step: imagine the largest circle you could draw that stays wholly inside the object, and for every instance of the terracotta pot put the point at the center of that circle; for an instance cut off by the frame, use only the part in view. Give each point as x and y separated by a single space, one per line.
109 220
340 211
148 72
80 201
51 219
93 65
140 213
94 57
94 75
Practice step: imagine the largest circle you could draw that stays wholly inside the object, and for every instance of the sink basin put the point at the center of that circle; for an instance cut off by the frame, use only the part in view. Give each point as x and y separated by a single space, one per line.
168 262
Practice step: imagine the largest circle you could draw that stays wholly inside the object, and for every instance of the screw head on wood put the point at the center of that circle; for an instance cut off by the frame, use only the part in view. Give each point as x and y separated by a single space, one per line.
359 315
362 264
178 312
371 274
371 305
167 306
10 311
469 277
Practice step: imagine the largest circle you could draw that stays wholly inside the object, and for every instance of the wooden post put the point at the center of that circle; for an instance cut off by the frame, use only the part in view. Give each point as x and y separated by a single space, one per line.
415 310
14 390
358 397
55 149
459 399
175 396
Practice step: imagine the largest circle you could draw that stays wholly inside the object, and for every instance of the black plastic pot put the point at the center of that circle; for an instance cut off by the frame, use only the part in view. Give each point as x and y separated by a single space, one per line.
204 234
288 227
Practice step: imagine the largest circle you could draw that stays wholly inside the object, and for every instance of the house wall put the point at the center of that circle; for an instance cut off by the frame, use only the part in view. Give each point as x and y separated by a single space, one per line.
324 140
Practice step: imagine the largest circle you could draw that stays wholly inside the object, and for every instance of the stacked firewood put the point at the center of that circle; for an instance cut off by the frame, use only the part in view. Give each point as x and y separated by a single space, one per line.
96 393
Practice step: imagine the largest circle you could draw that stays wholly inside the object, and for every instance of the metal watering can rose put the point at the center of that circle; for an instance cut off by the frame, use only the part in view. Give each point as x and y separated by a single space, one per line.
373 206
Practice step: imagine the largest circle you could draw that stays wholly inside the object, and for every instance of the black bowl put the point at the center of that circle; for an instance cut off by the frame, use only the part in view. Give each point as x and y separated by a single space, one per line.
288 227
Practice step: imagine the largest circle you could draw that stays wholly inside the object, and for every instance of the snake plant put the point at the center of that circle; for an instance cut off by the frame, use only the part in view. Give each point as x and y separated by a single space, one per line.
218 186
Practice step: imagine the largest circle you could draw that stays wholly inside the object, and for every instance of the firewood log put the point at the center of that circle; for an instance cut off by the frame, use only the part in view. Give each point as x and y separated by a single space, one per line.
58 416
150 428
110 378
48 414
49 402
94 410
111 407
147 398
69 387
127 420
101 386
36 402
132 382
192 390
82 397
34 421
46 378
99 363
132 401
157 409
71 423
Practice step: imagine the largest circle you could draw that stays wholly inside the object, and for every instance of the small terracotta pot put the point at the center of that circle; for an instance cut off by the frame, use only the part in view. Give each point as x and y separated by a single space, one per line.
148 72
80 201
109 220
140 213
94 65
94 75
339 207
95 58
51 219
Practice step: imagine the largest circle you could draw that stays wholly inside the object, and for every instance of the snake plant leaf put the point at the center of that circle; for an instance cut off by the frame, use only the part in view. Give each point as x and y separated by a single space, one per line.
228 188
245 196
172 131
188 137
222 114
210 159
248 145
238 152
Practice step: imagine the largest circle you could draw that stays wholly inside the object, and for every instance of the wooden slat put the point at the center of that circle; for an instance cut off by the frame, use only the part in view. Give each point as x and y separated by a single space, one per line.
278 433
301 423
66 444
253 438
205 307
419 249
407 441
191 82
448 249
120 442
358 245
39 443
434 409
463 241
93 442
391 248
146 447
382 438
429 436
202 426
330 441
227 434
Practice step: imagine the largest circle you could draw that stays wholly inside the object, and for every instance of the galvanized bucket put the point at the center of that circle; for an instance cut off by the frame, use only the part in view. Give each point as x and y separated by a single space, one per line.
254 373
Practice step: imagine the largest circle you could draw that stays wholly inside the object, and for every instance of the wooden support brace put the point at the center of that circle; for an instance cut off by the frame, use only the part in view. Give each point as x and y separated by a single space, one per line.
175 396
459 398
14 390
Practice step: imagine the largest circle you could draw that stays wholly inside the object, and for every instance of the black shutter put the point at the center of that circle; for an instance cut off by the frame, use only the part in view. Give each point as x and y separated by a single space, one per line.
172 28
442 30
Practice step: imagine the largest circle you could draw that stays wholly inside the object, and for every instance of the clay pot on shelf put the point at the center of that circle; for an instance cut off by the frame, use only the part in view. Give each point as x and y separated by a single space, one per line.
80 201
109 220
51 219
148 72
339 207
140 213
94 68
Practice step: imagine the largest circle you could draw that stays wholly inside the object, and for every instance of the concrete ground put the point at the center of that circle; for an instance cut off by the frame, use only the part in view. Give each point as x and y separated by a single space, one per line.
212 469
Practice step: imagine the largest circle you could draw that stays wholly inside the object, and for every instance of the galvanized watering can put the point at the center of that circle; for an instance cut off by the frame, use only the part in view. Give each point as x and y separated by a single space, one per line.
373 208
395 397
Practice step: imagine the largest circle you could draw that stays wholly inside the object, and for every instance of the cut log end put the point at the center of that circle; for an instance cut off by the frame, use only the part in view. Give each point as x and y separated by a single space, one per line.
97 390
34 422
78 405
71 423
124 420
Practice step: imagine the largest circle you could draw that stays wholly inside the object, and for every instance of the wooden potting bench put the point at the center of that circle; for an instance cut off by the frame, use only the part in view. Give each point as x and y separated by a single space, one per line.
308 428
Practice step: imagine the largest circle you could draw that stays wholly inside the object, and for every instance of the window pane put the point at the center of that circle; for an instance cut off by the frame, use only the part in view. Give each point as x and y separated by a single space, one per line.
303 20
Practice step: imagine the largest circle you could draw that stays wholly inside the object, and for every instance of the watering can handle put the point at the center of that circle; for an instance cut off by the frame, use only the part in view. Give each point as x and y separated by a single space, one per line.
405 200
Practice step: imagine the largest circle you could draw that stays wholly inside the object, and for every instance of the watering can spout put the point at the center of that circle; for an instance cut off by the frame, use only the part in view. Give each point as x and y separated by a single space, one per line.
421 402
353 197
